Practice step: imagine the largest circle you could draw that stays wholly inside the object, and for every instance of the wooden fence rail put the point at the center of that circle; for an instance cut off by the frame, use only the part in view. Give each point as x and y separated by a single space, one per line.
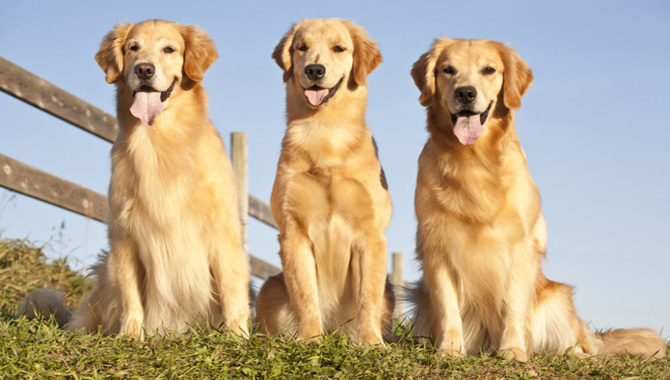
27 180
35 91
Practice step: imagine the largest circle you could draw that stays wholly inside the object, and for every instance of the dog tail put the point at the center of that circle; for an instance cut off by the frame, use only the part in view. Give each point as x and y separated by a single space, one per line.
641 342
420 312
43 303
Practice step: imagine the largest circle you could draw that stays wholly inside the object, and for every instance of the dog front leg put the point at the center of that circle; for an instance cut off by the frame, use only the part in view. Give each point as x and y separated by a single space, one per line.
373 258
446 322
230 270
126 274
300 277
516 332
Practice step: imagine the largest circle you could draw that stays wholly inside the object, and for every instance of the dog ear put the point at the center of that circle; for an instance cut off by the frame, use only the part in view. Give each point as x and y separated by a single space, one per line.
366 53
110 55
199 52
423 72
283 51
517 78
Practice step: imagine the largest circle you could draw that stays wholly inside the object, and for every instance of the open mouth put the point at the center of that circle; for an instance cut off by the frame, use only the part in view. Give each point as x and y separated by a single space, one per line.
164 94
318 95
468 125
148 103
469 114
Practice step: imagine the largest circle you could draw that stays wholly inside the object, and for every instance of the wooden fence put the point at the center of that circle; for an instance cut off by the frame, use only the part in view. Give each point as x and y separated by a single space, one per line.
30 181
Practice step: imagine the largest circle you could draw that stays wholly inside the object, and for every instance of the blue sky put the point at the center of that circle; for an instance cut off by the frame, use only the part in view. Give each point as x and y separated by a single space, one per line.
593 124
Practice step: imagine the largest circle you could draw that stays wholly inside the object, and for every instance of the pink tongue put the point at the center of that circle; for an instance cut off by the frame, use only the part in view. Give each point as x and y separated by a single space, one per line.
468 129
315 97
147 106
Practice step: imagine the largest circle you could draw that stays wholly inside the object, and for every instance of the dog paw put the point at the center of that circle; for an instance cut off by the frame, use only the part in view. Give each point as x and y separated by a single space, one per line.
316 339
241 330
239 327
310 335
131 328
450 353
370 339
310 332
514 353
580 355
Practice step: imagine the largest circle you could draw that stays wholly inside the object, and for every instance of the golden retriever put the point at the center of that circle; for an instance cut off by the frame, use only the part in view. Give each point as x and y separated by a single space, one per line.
481 234
175 258
329 197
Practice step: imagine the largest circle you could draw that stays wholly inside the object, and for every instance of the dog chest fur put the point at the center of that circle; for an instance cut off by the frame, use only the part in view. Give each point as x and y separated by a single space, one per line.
163 227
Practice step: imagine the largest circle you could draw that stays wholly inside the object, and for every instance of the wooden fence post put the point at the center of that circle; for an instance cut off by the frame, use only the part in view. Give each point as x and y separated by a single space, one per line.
238 153
398 283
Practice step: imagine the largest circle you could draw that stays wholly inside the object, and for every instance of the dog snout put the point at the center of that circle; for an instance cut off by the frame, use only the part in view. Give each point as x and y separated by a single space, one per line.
315 71
465 94
145 70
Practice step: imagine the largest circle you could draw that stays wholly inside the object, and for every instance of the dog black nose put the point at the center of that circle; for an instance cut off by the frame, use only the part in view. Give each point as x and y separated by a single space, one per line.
315 71
465 94
145 70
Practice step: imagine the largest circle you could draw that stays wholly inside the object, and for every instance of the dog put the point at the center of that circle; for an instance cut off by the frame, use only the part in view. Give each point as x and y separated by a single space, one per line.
481 233
330 197
176 258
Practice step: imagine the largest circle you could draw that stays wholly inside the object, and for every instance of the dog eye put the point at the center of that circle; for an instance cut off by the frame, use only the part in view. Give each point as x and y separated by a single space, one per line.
302 47
133 47
449 70
169 50
488 70
338 49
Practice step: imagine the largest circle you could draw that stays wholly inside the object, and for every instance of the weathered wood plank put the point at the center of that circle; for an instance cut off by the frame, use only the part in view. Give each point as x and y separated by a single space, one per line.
35 91
398 282
261 211
27 180
238 157
262 269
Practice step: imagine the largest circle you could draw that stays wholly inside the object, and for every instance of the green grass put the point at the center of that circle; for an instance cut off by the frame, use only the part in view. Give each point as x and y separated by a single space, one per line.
39 349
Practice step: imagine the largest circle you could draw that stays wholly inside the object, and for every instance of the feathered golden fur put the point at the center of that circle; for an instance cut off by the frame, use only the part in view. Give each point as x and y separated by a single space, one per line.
329 197
481 234
175 256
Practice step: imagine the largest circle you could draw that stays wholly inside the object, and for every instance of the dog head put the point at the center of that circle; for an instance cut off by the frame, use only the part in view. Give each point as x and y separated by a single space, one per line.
155 59
469 80
321 55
